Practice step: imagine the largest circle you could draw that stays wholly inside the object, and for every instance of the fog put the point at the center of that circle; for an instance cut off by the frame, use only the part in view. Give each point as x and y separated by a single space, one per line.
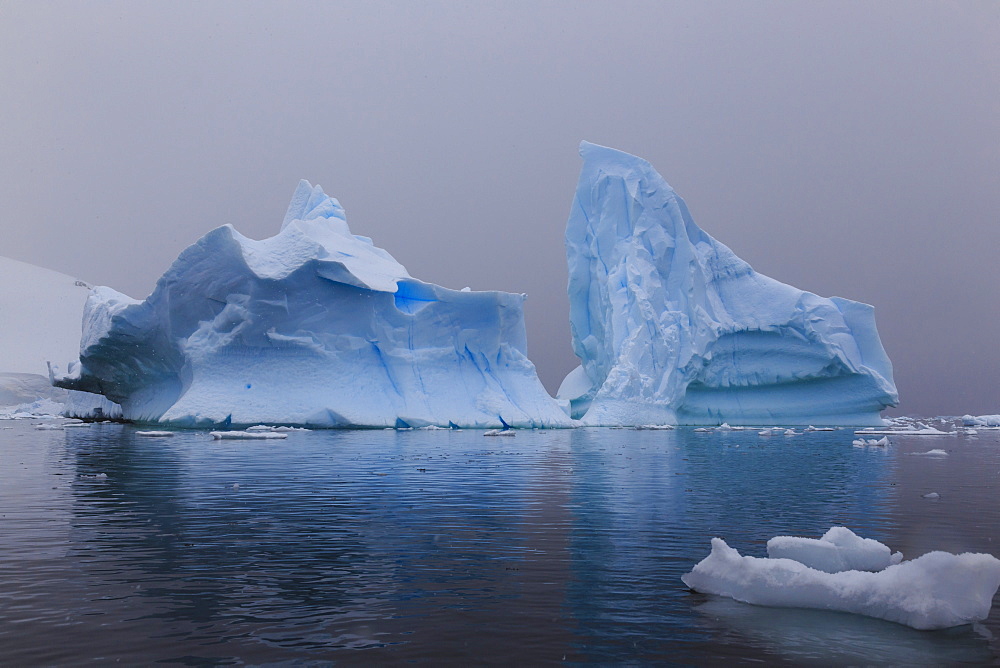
849 149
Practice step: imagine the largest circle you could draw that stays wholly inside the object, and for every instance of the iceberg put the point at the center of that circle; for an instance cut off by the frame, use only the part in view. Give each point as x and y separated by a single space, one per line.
935 591
314 326
671 327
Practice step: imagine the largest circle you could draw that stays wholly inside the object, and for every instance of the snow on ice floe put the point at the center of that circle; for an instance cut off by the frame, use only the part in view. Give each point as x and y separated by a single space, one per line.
840 549
921 430
314 326
671 327
937 590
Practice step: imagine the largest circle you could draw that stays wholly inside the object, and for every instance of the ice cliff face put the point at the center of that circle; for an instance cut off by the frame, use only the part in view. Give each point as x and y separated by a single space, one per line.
314 326
672 327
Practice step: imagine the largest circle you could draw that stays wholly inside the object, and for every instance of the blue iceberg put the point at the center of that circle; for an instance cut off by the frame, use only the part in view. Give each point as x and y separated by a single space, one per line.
314 326
672 327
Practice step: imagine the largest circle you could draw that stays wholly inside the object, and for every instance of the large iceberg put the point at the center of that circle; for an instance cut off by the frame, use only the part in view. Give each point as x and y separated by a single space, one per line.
314 326
673 328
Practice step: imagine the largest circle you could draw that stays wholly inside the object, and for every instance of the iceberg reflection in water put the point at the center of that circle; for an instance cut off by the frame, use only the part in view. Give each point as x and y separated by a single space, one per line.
444 545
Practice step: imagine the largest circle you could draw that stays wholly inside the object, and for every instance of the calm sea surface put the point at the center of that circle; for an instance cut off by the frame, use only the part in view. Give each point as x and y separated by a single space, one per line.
392 547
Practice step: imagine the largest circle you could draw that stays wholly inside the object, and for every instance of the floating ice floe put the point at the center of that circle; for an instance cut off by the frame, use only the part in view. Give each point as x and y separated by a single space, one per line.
654 427
931 495
936 452
245 435
872 441
499 432
935 591
155 434
924 430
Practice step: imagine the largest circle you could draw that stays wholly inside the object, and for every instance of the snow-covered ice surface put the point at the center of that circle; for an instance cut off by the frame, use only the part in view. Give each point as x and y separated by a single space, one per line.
935 591
41 311
41 317
314 326
840 549
672 327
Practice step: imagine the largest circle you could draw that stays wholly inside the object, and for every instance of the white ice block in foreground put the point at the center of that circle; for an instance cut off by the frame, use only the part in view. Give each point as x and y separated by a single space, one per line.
935 591
671 327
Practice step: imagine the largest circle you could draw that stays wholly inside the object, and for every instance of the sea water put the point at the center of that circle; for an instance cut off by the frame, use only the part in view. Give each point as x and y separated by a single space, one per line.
446 546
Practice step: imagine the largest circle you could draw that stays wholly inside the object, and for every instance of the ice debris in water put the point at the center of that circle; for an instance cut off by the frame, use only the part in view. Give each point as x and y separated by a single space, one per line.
245 435
872 441
937 590
671 327
314 326
154 434
499 432
936 452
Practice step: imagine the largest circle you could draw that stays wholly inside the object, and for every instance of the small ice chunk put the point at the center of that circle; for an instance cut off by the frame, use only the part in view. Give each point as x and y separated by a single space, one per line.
840 549
154 434
936 452
245 435
499 432
936 591
932 495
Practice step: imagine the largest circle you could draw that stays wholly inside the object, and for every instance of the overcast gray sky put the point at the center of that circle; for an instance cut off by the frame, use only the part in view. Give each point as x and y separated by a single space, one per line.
848 149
